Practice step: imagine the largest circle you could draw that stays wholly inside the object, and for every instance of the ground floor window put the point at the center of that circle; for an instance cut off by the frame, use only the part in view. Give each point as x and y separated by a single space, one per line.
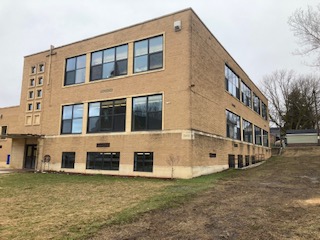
231 160
103 160
247 160
143 161
68 159
240 161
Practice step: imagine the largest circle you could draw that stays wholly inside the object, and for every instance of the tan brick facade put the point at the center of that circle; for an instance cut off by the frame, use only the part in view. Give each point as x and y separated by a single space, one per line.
192 140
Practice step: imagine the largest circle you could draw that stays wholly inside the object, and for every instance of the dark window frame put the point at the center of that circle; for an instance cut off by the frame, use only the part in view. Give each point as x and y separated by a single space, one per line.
147 114
113 116
230 76
256 104
148 54
246 132
107 163
256 140
264 111
140 165
116 67
246 98
237 134
71 119
68 159
4 130
265 138
74 70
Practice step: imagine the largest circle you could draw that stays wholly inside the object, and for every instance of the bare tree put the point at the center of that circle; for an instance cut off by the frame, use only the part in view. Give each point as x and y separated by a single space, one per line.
305 25
172 161
277 87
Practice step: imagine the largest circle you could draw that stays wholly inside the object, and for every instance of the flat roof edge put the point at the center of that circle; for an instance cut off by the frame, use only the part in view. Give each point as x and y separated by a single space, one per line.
117 30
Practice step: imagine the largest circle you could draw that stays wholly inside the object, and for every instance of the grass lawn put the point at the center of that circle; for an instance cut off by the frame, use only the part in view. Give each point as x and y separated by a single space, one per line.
61 206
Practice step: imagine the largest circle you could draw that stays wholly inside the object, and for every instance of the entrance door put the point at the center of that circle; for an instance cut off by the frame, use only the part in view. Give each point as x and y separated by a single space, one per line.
30 156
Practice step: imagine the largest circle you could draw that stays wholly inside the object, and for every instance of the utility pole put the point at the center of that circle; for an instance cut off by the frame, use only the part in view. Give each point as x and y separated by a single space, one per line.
317 119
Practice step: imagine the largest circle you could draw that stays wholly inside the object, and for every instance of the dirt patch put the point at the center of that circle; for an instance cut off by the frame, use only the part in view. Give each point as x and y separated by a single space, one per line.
277 200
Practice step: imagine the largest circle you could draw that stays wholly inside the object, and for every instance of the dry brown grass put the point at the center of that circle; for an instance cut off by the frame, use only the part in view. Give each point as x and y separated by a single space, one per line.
55 206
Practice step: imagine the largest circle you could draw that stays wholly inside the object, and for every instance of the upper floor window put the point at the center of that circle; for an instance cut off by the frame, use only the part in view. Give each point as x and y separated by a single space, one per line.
246 95
40 80
41 67
107 116
75 70
265 138
257 135
31 83
3 132
31 94
256 103
247 131
109 63
72 119
147 113
233 125
148 54
33 69
264 111
39 93
232 82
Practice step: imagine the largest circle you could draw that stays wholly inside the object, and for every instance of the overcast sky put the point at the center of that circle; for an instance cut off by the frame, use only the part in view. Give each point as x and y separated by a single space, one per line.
254 32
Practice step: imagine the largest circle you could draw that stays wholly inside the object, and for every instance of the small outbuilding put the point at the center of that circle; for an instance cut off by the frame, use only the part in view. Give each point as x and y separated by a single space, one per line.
302 137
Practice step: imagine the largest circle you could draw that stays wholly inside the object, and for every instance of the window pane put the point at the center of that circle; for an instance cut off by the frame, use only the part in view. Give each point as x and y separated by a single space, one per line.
120 106
81 62
71 64
122 52
94 109
96 72
108 55
119 123
80 75
77 125
140 121
141 63
121 67
70 77
78 111
96 58
106 123
108 70
141 48
66 126
155 103
67 112
94 124
155 44
156 60
140 104
155 121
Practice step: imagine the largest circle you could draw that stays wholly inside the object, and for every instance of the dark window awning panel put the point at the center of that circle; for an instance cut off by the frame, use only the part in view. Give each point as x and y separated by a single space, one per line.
20 136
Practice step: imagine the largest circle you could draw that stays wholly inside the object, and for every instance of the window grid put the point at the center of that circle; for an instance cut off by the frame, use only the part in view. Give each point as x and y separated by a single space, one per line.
109 63
257 135
143 161
147 113
103 160
72 119
264 111
246 95
265 138
75 70
247 131
107 116
256 103
68 159
233 125
148 54
232 82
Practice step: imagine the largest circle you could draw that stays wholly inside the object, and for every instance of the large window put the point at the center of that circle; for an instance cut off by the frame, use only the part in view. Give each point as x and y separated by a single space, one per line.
103 160
148 54
107 116
232 82
147 113
143 161
233 125
257 135
247 131
3 132
264 111
109 63
265 138
256 103
246 95
75 70
68 159
72 119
